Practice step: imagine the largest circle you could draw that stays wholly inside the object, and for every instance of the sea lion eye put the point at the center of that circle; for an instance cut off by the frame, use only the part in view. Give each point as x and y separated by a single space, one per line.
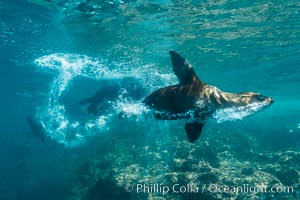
261 97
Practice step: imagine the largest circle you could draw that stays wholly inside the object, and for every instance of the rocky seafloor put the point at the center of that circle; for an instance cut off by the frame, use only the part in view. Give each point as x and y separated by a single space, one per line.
220 158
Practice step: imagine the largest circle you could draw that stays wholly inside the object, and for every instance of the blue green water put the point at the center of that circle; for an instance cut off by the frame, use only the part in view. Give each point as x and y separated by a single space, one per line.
56 53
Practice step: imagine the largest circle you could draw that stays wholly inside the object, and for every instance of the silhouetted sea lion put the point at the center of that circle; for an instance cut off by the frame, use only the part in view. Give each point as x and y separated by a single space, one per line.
109 92
37 129
104 94
195 100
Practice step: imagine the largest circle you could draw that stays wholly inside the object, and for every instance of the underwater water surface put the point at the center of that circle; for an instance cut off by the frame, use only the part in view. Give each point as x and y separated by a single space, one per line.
57 53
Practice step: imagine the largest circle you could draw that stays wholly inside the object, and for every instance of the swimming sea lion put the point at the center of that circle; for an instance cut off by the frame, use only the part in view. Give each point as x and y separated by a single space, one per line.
37 129
102 100
101 97
194 100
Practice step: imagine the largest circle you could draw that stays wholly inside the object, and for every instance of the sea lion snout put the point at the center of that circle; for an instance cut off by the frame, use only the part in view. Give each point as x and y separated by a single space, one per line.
262 99
270 101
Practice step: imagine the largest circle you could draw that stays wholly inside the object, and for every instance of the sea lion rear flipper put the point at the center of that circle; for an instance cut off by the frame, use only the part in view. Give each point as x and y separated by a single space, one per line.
193 130
182 68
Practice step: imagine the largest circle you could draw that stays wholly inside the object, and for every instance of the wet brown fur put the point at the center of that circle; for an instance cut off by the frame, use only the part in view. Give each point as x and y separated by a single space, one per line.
194 100
183 97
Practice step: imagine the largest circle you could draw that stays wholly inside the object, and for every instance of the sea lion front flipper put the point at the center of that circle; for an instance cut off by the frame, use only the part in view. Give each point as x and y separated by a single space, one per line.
182 68
92 108
193 130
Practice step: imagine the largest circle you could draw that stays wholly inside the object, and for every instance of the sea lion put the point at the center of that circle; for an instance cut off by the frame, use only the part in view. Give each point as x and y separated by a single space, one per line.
37 129
99 102
102 100
194 100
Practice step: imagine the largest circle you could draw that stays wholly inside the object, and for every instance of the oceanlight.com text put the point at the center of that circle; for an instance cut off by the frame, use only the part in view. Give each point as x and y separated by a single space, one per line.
210 188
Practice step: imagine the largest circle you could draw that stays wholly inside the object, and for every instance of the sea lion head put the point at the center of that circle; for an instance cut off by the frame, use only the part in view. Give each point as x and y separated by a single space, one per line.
241 105
246 98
